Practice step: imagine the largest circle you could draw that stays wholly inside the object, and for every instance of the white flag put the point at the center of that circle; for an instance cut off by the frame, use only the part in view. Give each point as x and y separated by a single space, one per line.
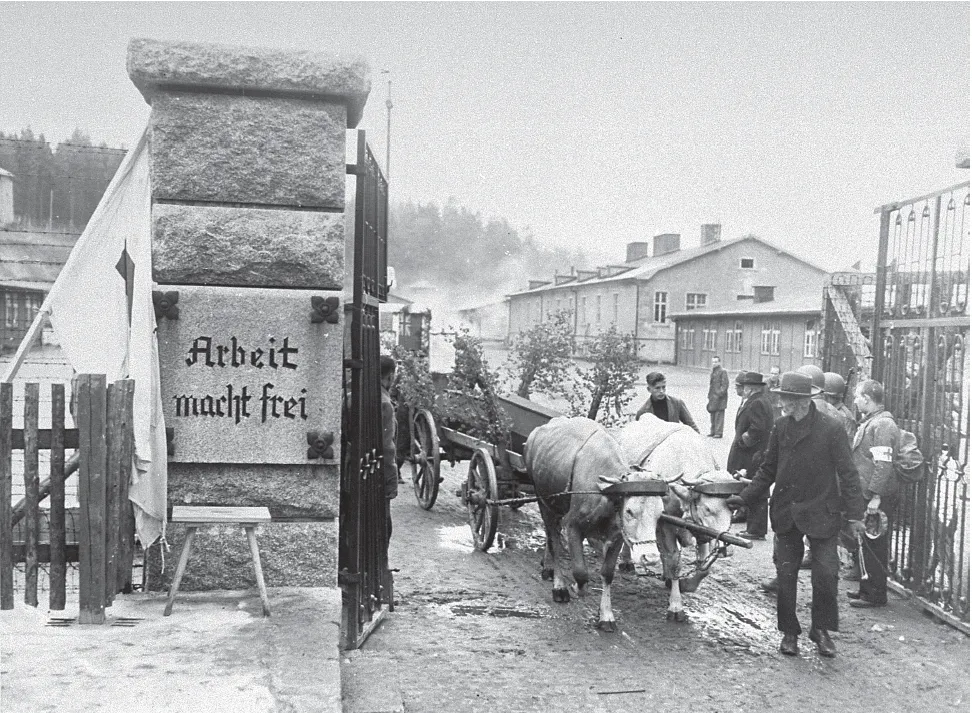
101 310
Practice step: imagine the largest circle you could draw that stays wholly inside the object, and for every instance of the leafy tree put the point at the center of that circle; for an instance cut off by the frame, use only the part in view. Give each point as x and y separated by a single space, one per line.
539 359
609 379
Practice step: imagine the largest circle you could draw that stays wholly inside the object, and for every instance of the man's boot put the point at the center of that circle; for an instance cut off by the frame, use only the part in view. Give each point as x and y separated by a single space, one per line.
789 645
825 646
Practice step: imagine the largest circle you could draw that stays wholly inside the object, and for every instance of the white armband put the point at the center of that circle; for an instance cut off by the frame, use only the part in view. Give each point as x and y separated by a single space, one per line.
881 454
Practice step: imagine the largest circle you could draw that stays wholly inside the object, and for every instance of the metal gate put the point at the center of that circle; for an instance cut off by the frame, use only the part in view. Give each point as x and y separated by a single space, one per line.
920 347
362 560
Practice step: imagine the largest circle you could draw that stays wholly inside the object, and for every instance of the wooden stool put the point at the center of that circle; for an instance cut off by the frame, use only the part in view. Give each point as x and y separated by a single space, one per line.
196 517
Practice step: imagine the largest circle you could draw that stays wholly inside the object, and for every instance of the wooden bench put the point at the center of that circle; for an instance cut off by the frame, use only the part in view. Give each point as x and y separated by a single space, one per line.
200 516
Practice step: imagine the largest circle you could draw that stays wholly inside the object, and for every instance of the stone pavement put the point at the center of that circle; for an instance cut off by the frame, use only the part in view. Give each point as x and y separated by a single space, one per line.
215 653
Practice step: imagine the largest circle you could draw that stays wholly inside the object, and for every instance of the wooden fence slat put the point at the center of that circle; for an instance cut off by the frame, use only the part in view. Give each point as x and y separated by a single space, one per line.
91 495
70 468
58 566
116 434
31 487
126 525
6 482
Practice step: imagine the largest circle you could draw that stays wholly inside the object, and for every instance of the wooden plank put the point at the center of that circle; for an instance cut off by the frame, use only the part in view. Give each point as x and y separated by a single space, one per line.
69 437
114 427
31 488
126 526
6 514
932 609
58 536
217 515
468 442
91 496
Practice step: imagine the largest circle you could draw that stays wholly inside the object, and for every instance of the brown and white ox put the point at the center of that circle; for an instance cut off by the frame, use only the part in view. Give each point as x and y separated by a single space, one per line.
571 461
681 457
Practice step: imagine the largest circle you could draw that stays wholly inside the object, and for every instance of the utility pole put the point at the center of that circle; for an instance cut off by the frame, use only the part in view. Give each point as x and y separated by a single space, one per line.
388 105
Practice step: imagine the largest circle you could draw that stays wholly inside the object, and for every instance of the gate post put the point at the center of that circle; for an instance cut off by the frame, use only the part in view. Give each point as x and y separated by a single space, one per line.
91 403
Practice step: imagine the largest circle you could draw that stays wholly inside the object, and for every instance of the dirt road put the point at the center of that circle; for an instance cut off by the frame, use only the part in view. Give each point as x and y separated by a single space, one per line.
480 632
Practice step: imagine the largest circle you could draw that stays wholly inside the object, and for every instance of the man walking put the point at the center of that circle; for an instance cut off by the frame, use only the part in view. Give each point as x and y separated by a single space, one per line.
874 446
665 407
753 425
810 462
718 398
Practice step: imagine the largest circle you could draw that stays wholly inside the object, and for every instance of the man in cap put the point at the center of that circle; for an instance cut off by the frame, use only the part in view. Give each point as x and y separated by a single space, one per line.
817 376
834 387
809 460
753 425
662 405
873 452
718 398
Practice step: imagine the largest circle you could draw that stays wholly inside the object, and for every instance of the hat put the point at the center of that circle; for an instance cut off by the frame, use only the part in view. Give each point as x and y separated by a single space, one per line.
752 378
815 373
834 384
796 384
875 525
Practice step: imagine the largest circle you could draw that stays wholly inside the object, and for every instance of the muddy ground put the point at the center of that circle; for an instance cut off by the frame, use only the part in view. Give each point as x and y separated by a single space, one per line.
480 632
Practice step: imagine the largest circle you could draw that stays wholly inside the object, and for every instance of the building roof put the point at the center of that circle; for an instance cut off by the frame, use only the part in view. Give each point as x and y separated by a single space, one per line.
793 304
6 173
647 267
31 260
397 299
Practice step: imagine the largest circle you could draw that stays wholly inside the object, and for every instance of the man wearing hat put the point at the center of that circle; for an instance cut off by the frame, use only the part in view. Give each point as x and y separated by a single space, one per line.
662 405
718 398
753 425
834 388
809 460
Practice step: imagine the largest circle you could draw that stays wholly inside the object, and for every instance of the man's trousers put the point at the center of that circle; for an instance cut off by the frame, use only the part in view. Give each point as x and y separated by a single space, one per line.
824 572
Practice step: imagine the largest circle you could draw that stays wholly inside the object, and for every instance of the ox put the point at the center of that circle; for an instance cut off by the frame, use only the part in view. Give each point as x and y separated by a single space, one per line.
681 457
572 462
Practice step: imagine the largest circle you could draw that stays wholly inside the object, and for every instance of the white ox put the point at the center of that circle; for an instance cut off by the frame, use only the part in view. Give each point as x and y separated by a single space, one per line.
681 457
571 461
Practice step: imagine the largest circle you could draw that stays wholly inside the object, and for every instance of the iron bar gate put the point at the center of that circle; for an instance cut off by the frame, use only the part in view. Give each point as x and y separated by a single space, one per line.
920 341
362 560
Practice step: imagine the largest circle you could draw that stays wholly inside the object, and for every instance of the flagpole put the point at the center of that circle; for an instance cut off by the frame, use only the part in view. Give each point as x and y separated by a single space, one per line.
45 310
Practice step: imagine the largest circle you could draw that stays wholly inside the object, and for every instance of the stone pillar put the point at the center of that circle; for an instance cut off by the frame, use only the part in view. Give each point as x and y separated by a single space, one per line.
248 189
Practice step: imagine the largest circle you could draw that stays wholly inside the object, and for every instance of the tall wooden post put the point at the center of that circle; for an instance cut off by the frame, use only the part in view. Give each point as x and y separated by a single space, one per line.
31 488
58 567
91 496
6 512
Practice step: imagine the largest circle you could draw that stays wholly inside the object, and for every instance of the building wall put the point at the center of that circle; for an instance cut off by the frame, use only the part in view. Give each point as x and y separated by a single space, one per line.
791 341
718 275
17 311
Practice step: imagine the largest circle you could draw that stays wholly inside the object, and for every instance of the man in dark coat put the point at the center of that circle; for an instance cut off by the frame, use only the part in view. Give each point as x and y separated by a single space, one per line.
753 425
809 460
718 398
665 407
389 427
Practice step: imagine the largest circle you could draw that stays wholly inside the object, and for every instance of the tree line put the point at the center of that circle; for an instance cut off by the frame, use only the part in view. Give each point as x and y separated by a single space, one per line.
58 187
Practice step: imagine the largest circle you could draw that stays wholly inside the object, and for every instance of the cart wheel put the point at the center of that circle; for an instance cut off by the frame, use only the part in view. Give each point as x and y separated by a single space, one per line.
425 459
480 487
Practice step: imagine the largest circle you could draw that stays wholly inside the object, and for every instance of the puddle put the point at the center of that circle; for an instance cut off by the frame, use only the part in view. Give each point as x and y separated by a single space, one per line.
457 604
721 617
499 612
457 538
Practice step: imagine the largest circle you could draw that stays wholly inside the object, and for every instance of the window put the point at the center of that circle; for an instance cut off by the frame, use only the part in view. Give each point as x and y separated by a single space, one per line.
694 300
687 339
709 338
770 338
747 263
661 307
13 309
734 338
616 303
385 321
583 314
810 341
597 309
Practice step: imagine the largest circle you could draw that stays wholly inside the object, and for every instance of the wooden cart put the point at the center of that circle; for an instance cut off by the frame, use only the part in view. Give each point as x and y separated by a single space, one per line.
495 476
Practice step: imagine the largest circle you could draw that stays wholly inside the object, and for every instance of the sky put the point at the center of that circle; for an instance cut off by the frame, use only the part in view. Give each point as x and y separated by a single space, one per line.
587 125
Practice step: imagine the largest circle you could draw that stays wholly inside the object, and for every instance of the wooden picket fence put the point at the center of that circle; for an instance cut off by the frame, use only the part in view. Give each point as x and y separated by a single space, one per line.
102 461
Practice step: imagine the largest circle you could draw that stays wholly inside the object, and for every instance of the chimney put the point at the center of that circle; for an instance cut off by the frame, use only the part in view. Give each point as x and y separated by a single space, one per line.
6 197
666 243
711 233
762 293
636 251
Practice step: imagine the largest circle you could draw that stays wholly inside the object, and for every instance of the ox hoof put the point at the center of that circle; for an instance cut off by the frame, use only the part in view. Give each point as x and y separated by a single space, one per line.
561 595
609 626
690 584
547 574
626 567
679 617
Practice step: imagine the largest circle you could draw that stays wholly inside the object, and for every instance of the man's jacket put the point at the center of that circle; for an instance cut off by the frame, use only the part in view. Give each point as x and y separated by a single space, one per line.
388 430
677 411
810 461
874 445
753 425
718 390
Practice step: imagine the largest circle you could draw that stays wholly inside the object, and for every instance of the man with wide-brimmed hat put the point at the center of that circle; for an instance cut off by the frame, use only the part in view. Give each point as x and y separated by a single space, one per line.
754 421
809 460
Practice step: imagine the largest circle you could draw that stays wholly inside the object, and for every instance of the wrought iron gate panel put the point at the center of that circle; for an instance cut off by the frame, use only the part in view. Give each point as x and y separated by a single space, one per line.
362 559
921 328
